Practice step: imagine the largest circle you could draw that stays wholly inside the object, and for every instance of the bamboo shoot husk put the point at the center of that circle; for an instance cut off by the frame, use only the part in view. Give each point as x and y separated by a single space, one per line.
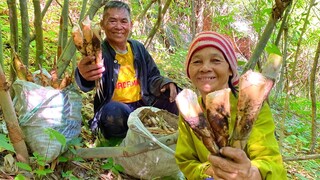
88 42
96 44
218 115
254 88
194 117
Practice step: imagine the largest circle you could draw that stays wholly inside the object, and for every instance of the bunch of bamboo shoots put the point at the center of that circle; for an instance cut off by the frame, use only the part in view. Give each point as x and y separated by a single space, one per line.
44 80
213 129
88 42
160 122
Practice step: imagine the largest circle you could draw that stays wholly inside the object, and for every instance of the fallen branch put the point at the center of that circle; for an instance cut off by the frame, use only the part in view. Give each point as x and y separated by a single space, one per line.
301 158
120 151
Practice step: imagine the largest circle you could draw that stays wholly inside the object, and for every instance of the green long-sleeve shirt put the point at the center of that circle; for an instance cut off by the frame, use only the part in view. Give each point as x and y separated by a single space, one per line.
262 147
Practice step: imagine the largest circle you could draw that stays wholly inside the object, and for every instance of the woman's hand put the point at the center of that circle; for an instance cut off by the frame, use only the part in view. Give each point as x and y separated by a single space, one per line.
89 70
173 91
233 165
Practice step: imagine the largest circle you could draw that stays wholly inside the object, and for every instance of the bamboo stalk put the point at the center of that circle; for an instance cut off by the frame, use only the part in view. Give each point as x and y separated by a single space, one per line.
15 133
193 115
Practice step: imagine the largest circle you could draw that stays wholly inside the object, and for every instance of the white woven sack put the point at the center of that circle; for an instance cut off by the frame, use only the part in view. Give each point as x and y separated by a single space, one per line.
153 164
39 108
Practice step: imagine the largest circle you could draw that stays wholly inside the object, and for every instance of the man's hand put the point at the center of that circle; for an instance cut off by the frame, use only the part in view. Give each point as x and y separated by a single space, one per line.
90 71
173 91
234 165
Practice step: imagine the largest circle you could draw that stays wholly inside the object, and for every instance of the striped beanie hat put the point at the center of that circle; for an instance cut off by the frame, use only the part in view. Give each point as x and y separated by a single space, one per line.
221 42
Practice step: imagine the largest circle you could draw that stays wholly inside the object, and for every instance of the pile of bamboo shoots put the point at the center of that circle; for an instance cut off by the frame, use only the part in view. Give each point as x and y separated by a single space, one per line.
213 128
41 78
160 122
87 40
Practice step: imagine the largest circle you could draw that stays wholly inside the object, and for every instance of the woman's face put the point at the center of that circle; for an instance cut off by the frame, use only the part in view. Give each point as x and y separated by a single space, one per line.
209 70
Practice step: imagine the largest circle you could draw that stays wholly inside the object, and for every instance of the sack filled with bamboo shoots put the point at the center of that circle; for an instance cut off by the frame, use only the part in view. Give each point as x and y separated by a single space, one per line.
40 109
158 163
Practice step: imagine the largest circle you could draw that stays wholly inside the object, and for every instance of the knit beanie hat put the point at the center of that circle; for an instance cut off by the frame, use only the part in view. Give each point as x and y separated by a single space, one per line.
221 42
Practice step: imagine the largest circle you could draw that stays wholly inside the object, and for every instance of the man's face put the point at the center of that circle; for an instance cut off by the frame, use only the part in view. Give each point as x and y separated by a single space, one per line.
117 25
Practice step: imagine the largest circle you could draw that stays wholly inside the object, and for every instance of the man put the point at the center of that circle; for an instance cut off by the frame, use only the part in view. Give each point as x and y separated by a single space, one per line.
130 76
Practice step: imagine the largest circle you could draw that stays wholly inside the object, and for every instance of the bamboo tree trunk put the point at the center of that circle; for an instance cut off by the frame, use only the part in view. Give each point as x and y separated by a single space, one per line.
63 33
199 7
280 86
39 33
193 20
284 24
314 99
15 133
161 13
43 13
145 10
297 51
1 49
13 31
25 32
277 12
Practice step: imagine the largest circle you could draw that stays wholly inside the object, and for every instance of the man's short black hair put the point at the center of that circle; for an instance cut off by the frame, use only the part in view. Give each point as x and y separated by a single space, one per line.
117 4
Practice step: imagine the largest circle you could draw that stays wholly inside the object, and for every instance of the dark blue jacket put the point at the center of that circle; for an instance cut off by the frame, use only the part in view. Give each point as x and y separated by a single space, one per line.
148 74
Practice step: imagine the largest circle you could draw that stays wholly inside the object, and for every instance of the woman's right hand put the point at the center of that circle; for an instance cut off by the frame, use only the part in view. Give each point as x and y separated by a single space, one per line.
89 70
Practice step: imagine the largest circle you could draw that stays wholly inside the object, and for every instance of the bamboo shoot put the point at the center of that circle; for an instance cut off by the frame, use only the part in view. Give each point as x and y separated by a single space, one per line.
194 117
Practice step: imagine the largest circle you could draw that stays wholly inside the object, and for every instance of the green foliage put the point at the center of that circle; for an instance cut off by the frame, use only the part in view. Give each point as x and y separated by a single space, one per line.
40 171
5 144
54 134
272 48
24 166
68 175
224 21
111 165
19 177
71 145
297 137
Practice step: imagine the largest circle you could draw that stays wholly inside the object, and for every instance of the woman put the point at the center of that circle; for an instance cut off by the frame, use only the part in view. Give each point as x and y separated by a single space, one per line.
211 65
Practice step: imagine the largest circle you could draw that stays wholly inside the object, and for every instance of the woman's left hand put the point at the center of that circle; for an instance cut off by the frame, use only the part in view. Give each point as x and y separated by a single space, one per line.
233 165
173 91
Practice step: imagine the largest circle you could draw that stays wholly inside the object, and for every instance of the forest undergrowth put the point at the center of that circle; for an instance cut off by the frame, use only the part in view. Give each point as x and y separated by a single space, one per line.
297 133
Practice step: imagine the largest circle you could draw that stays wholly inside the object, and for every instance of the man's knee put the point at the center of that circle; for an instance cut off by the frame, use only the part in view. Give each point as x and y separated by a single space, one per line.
113 119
